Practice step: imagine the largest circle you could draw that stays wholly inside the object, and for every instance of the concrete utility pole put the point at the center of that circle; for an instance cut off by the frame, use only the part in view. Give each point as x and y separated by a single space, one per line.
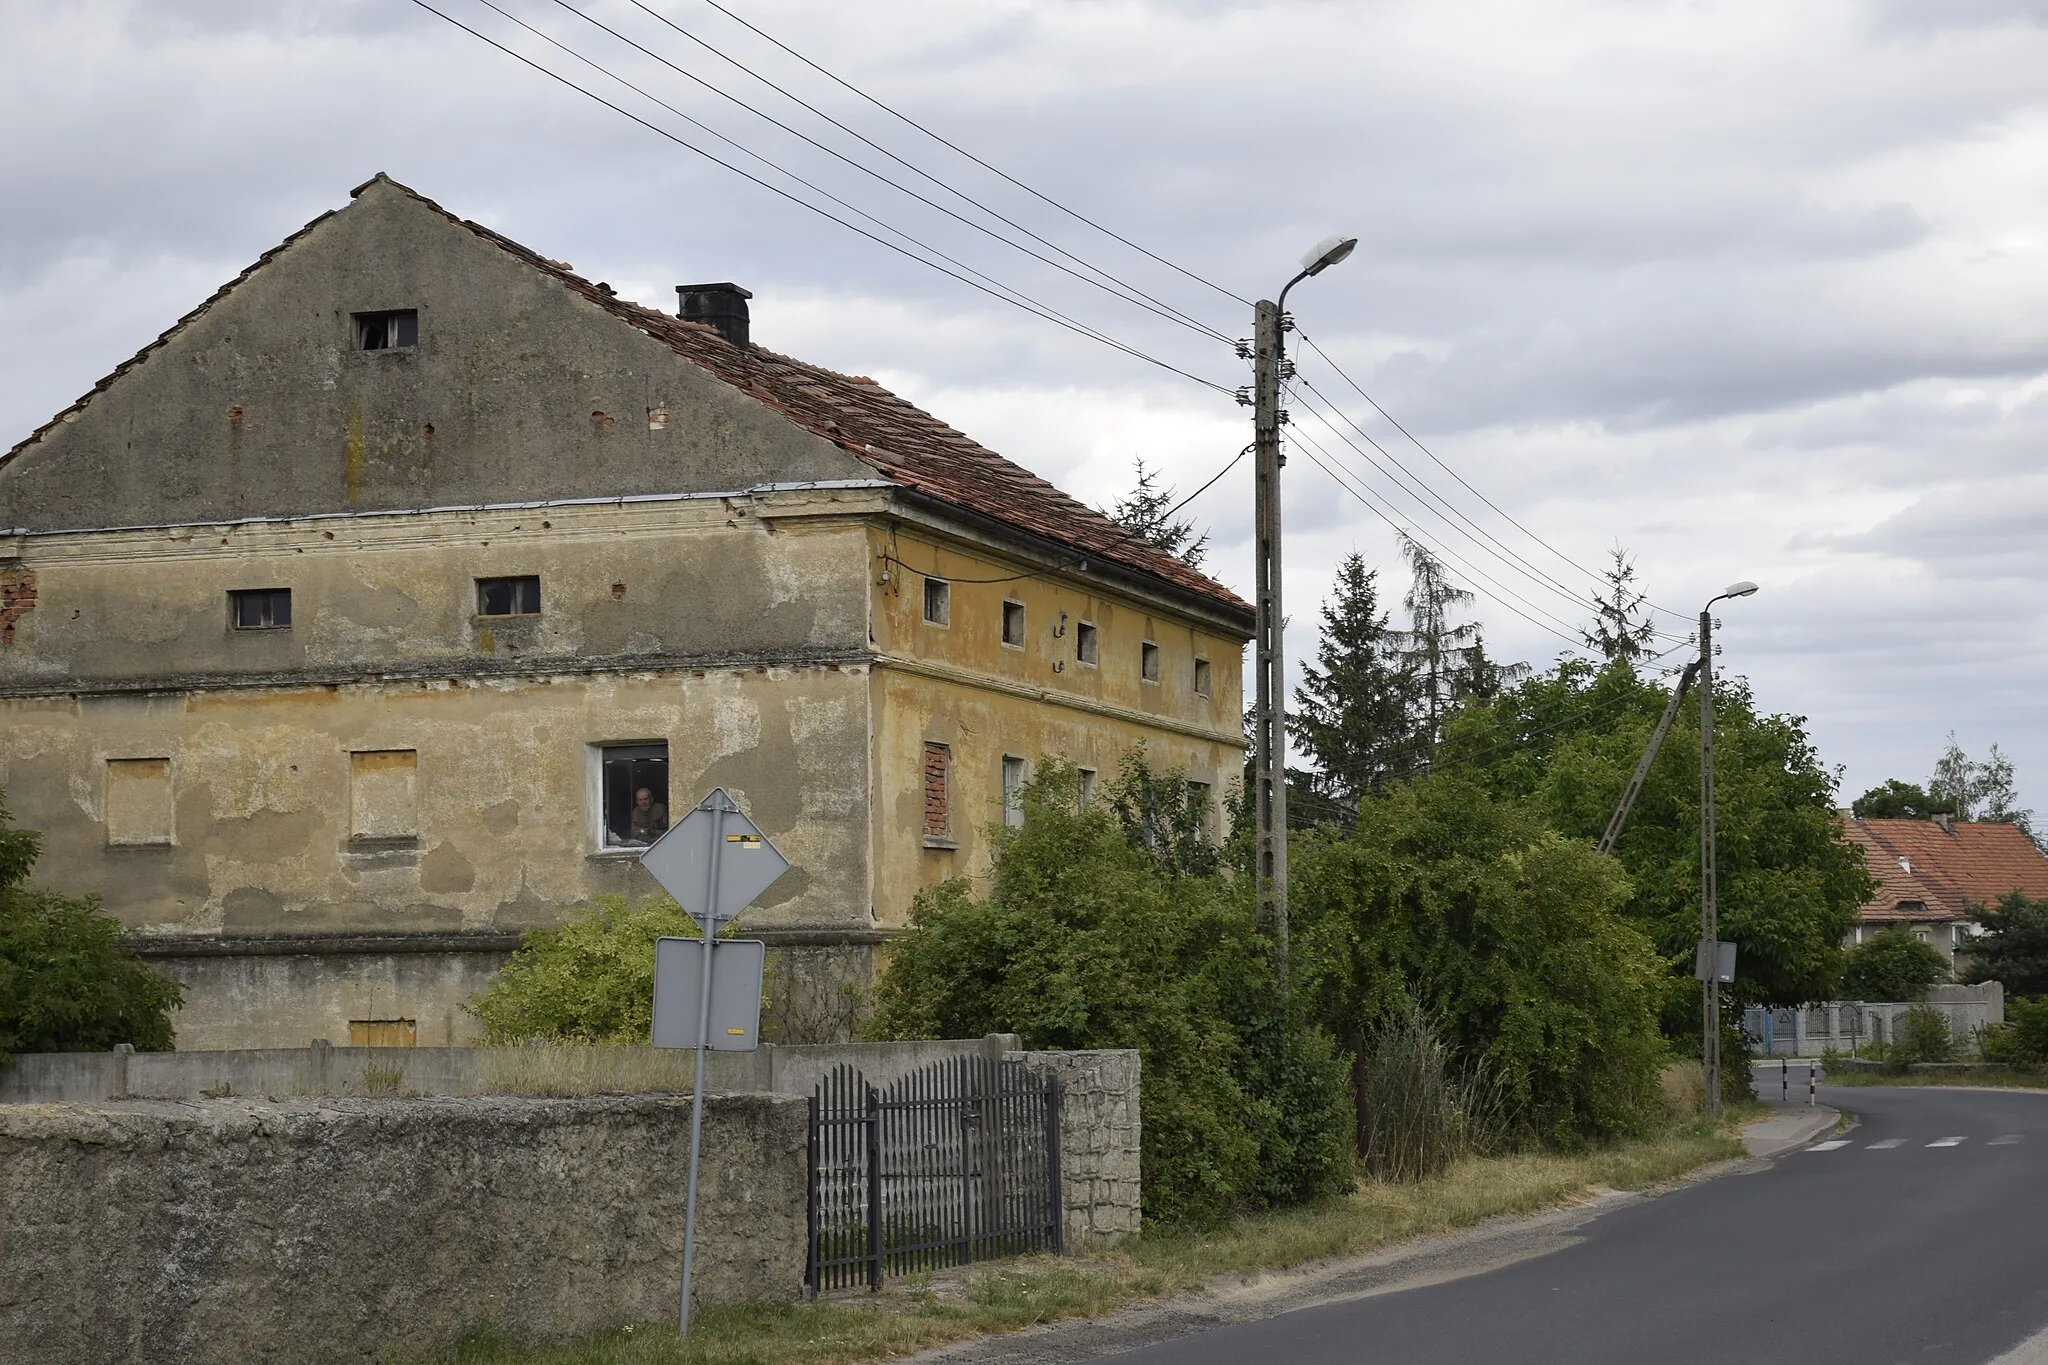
1710 889
1269 713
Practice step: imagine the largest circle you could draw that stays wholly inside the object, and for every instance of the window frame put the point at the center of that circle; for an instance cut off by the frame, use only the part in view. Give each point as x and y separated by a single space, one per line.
634 753
516 582
1150 660
944 598
1087 644
269 598
1013 793
1023 630
392 322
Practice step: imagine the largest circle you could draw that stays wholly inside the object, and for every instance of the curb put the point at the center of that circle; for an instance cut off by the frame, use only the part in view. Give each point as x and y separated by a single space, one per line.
1815 1122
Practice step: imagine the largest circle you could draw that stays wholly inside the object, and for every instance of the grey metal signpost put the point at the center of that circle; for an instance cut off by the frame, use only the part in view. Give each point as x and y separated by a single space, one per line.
714 862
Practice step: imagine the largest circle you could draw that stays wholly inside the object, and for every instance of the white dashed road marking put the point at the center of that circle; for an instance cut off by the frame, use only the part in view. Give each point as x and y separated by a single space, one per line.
2008 1140
1828 1146
1887 1144
1948 1142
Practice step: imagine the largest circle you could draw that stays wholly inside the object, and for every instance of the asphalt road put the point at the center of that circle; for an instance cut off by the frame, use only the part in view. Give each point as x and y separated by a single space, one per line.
1922 1237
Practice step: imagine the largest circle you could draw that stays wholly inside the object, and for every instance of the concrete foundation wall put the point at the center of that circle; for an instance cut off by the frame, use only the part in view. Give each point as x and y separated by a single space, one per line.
231 1231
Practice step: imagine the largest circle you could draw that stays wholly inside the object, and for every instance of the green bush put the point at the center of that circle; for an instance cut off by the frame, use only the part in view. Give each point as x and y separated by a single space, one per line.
1099 930
2022 1040
1921 1035
1418 1112
70 979
1512 936
2013 947
1892 966
589 980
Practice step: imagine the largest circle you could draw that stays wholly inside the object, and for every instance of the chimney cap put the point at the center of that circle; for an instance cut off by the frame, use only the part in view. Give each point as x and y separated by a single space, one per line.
722 306
722 287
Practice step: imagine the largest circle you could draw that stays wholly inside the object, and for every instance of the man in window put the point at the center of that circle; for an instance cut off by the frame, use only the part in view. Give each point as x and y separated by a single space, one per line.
650 818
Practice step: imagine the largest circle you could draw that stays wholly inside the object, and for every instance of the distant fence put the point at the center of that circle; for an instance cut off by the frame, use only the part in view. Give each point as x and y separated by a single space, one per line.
1847 1026
958 1161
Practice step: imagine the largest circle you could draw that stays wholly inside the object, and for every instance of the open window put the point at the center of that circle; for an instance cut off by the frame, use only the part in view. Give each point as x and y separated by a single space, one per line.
938 601
392 330
1013 790
1087 649
1202 677
634 780
1013 624
1148 661
508 596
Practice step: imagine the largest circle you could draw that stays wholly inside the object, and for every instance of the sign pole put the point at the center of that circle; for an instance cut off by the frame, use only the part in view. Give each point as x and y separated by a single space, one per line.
703 1052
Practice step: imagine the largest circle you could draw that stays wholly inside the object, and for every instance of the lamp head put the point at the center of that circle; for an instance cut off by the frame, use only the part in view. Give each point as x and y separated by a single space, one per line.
1742 589
1326 253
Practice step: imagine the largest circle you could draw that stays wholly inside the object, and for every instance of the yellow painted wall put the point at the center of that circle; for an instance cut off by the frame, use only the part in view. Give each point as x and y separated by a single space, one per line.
960 685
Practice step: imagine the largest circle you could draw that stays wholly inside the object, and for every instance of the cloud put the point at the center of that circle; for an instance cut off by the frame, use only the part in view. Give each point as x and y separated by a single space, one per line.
1754 291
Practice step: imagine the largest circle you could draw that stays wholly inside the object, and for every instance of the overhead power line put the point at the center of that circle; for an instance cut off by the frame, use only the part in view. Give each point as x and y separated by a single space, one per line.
955 147
1116 286
1012 297
1413 440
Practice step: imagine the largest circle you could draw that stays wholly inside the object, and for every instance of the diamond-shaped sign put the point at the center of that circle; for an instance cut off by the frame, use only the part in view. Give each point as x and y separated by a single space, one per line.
681 859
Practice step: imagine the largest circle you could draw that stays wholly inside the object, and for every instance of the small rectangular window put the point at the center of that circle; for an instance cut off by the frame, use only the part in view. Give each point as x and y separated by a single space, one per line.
938 796
1085 646
260 609
1201 677
635 778
1013 624
387 331
1013 790
1087 791
139 807
508 596
938 601
1148 661
1198 797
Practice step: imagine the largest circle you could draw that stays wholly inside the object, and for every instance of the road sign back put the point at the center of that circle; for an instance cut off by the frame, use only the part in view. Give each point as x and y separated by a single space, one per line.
681 859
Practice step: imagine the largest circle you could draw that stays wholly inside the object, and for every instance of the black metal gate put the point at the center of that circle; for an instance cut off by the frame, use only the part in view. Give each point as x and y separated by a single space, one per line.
958 1161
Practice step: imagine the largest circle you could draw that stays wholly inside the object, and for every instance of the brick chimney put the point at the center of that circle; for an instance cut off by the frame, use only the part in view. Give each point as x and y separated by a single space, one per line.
723 306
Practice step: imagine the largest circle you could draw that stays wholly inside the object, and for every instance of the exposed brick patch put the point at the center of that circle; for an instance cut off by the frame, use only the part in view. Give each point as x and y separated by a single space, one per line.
17 599
938 810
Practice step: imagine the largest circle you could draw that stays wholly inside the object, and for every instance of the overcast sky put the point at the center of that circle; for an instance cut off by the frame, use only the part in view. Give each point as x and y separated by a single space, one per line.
1753 290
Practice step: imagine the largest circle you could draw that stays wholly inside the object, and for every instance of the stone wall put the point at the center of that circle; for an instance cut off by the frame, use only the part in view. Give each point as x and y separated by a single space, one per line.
193 1232
1099 1133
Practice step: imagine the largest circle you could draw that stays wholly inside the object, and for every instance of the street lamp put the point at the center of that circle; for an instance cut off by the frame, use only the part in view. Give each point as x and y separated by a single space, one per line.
1269 714
1708 959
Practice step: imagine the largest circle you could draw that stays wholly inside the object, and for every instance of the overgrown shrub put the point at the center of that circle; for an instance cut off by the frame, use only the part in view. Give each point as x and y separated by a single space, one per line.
1101 928
589 979
1511 935
1921 1036
2022 1040
70 979
1892 966
1418 1111
2013 946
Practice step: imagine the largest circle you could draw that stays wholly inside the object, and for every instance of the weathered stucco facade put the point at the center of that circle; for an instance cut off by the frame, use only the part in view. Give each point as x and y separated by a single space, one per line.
333 648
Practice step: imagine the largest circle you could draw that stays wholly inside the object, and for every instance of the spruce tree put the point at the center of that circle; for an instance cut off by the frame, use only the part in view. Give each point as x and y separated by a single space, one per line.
1145 512
1436 652
1621 629
1352 711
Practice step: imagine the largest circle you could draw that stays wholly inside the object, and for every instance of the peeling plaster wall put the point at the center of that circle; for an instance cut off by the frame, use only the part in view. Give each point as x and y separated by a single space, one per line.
961 686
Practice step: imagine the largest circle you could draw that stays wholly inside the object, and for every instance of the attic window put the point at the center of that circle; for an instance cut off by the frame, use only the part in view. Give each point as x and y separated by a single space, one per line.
1202 683
1013 624
261 608
1148 661
938 601
388 331
1086 647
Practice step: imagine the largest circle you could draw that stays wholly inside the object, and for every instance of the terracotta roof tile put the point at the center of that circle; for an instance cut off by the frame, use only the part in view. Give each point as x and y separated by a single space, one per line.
905 444
1945 869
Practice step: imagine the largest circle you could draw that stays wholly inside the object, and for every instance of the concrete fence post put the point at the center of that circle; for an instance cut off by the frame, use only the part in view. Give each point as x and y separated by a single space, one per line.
122 1052
323 1066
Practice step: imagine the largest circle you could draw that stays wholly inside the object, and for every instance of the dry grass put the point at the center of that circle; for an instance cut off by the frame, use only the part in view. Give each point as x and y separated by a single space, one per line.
912 1315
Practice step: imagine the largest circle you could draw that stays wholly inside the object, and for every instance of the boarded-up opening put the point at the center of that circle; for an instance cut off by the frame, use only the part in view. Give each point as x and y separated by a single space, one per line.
383 794
383 1033
139 807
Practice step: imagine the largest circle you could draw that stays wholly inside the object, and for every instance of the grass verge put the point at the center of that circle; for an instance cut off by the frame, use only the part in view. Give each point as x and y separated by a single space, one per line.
2002 1080
913 1314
